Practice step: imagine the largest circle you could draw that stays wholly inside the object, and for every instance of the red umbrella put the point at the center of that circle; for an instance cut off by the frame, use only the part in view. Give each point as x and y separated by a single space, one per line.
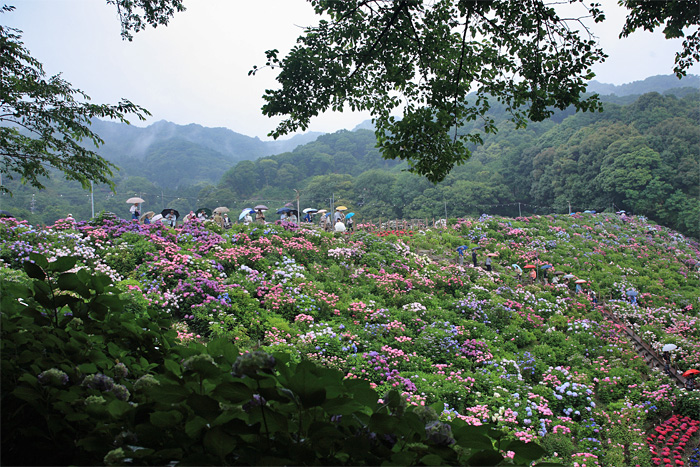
692 371
530 266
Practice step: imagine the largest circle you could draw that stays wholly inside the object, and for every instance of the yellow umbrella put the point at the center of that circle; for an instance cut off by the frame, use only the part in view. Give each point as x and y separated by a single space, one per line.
341 208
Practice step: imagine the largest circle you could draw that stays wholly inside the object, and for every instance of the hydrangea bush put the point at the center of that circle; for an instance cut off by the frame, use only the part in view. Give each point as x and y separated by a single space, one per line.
398 312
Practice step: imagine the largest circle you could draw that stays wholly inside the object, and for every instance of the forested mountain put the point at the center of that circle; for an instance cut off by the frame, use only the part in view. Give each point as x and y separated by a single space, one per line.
166 153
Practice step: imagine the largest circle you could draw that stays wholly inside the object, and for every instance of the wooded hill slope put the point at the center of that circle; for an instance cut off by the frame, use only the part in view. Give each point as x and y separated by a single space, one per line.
643 157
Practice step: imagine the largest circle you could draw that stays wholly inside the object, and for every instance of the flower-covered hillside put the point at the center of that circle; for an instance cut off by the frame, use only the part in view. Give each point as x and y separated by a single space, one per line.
536 357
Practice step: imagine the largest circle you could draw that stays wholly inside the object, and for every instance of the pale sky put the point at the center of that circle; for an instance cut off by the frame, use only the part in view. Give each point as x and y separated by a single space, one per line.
195 70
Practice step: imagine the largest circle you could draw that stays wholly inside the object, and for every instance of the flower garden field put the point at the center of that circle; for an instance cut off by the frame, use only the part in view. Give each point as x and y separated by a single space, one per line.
471 353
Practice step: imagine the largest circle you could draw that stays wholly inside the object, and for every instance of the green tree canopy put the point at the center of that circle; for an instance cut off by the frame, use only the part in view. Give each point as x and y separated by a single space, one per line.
426 58
43 121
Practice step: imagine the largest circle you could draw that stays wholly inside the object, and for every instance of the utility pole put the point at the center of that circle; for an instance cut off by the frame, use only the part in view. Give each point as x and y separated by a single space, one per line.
298 211
520 214
569 207
33 203
92 198
443 200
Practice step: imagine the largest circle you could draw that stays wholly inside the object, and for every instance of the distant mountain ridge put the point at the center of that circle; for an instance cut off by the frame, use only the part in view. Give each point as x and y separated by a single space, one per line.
133 141
659 83
179 155
214 150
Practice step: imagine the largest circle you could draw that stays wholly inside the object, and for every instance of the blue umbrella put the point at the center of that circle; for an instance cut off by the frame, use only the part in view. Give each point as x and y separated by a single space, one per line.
460 249
546 266
283 210
244 212
515 266
632 293
350 214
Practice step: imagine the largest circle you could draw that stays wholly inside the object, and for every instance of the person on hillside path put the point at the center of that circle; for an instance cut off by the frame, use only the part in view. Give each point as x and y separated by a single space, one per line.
171 219
350 224
260 216
488 263
248 219
533 276
218 220
474 257
135 211
667 363
227 222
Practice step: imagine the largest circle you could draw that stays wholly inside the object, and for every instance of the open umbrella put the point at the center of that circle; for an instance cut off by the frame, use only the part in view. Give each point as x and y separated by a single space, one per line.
558 273
515 266
4 213
491 254
691 372
341 208
283 210
307 210
148 214
289 205
632 293
244 212
261 207
135 200
669 347
221 210
157 218
166 211
546 266
207 211
322 211
530 266
476 248
348 215
581 281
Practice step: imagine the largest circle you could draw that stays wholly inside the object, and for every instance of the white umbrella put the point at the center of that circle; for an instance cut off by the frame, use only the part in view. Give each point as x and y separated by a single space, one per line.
669 347
157 218
135 200
307 210
221 210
